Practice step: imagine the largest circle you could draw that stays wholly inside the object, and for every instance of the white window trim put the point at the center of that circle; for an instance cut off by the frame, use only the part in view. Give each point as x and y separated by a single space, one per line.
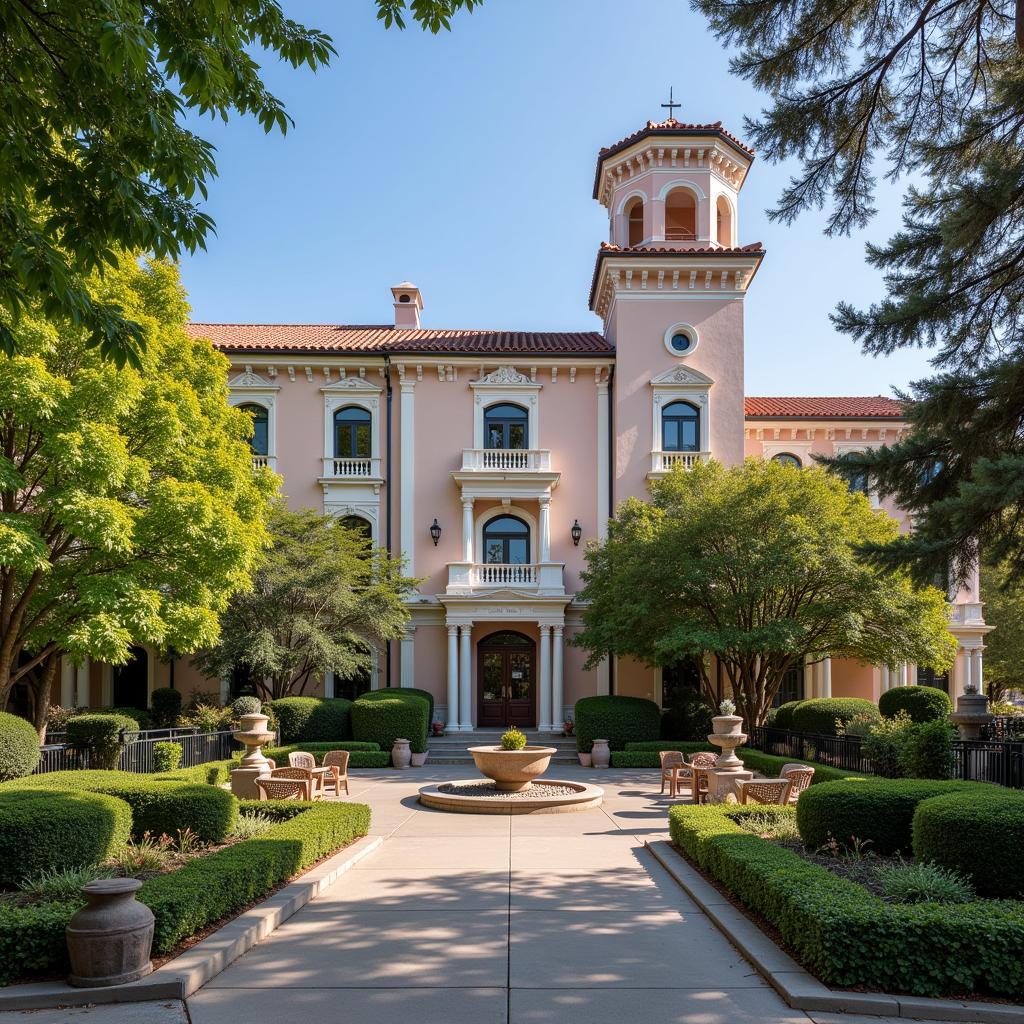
368 510
495 512
249 388
506 384
859 448
688 329
681 383
351 391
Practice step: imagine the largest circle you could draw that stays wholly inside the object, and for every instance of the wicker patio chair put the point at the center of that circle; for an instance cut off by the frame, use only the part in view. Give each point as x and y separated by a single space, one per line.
303 775
764 791
270 788
670 761
698 768
337 761
300 759
800 775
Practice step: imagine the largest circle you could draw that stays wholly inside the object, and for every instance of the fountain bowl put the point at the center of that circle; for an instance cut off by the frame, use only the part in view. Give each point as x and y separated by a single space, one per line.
512 770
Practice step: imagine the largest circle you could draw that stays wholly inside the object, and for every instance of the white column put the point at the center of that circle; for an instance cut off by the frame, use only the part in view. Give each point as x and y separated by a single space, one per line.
826 678
545 530
545 679
453 678
465 681
408 479
408 657
603 456
67 682
603 678
467 529
557 686
904 671
328 684
82 684
976 674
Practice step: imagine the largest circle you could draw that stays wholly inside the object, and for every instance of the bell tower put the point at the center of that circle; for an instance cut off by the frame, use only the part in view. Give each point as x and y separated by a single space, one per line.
669 286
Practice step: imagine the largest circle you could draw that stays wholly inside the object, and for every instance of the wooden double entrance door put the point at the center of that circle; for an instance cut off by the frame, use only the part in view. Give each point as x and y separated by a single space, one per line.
506 681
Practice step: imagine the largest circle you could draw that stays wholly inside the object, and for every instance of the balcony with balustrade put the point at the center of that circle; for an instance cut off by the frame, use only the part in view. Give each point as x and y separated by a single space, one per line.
351 468
663 462
264 462
540 578
506 460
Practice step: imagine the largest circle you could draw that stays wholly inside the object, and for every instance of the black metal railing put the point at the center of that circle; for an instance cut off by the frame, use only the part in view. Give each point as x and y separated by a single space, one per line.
1004 727
137 750
996 760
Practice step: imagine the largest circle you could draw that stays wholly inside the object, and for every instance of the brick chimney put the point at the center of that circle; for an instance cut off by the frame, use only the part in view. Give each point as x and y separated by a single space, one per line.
408 303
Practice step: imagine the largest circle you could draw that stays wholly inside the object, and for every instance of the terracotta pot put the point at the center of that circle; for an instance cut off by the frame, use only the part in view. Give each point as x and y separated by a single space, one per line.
512 770
418 760
401 755
600 754
110 939
585 759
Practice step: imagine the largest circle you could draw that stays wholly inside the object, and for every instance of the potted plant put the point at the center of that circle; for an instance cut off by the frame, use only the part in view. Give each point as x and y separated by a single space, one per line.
512 765
568 727
437 727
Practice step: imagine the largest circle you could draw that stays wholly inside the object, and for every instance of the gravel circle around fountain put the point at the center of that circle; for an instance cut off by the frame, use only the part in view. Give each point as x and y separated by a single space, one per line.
488 791
545 796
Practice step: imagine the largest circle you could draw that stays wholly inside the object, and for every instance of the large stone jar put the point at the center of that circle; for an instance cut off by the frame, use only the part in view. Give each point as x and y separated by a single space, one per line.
971 714
110 939
512 770
728 736
600 754
253 733
401 754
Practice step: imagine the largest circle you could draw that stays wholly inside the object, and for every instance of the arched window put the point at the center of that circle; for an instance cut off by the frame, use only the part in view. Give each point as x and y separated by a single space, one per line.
352 433
260 440
357 524
506 541
130 689
724 218
506 426
680 428
680 216
635 216
787 459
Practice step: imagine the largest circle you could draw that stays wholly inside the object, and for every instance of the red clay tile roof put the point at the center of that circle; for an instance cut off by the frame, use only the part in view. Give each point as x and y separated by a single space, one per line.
681 248
669 127
384 338
824 408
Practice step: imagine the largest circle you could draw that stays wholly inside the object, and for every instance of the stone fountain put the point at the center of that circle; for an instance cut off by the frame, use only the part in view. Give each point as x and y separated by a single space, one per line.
728 768
253 734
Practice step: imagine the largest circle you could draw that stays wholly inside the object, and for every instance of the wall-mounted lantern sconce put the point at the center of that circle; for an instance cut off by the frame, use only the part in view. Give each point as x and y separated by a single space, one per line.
577 532
435 531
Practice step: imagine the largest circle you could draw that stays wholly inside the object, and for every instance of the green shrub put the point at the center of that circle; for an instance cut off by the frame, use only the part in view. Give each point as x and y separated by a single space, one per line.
885 743
206 717
619 720
923 883
166 706
513 739
161 804
690 719
101 733
644 753
771 764
311 719
166 756
928 752
141 719
879 810
213 773
363 754
413 691
245 706
842 932
55 885
784 714
19 747
978 834
44 831
769 822
382 716
821 714
922 703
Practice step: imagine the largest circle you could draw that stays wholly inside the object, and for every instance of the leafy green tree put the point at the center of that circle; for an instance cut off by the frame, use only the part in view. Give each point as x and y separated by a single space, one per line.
757 565
934 91
321 600
129 510
97 156
1003 594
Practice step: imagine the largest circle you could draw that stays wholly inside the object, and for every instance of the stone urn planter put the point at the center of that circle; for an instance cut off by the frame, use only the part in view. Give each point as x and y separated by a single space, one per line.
253 733
586 760
600 754
971 714
727 735
110 939
401 755
418 760
512 770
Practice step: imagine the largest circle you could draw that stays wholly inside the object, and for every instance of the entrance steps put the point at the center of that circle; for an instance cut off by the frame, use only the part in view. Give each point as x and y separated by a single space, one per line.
451 749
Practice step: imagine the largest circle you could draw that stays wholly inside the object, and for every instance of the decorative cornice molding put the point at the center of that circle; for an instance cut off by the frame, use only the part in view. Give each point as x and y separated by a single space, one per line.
505 376
250 379
351 384
681 375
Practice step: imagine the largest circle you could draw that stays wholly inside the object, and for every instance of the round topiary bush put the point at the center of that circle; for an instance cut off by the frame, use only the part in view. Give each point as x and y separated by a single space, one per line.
166 705
922 703
414 691
784 714
619 720
245 706
55 831
313 719
385 715
821 714
19 747
877 810
101 733
978 834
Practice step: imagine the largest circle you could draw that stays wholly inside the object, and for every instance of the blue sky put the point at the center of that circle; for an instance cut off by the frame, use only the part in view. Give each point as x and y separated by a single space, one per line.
464 162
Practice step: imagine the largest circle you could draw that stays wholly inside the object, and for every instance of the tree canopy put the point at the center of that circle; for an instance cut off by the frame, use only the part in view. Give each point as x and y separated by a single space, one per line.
97 156
321 600
757 565
934 91
129 509
1003 594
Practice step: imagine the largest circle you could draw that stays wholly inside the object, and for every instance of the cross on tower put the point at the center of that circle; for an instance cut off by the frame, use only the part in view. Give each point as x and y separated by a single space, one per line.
671 105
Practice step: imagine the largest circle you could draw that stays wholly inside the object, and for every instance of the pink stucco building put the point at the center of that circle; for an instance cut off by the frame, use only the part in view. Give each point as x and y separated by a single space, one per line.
489 458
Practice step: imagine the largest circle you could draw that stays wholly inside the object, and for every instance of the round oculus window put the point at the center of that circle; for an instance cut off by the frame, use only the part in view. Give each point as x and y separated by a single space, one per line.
681 339
681 342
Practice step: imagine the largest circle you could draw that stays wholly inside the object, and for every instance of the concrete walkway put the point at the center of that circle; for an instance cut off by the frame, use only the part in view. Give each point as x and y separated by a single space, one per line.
501 920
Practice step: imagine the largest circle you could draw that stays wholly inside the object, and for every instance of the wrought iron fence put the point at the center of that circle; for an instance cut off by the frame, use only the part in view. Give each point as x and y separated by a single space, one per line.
137 750
999 761
1004 727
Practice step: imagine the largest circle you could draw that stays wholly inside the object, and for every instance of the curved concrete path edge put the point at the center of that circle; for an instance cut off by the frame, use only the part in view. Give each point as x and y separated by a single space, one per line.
797 986
186 973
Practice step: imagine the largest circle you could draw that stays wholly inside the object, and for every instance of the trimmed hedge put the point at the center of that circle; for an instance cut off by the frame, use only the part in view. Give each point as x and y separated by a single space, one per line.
198 894
819 715
101 733
160 803
363 754
619 720
981 835
784 715
842 932
19 747
879 810
413 690
313 719
166 705
922 703
141 718
382 716
166 756
771 764
42 831
645 755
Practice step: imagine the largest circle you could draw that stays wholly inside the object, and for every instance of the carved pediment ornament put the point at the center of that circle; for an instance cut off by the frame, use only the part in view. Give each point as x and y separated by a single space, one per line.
505 375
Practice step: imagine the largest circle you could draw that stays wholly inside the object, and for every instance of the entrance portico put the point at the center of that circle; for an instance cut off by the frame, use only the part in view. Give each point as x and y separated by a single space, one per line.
531 686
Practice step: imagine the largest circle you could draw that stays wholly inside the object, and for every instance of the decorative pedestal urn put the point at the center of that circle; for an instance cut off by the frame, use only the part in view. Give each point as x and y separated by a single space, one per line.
728 768
971 714
401 754
253 733
512 770
109 940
